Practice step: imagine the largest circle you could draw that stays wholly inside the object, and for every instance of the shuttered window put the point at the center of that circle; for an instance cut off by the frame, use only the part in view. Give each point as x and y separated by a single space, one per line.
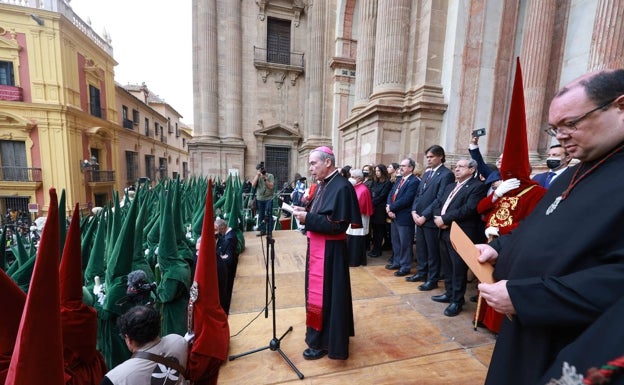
13 162
278 41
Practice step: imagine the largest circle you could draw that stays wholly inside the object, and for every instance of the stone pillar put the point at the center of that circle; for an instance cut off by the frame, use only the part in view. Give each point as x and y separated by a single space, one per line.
607 49
315 65
391 42
205 89
365 61
536 46
230 68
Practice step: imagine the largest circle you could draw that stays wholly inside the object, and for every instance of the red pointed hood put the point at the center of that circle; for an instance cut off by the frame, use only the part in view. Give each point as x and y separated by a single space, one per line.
212 332
515 163
12 304
78 321
38 354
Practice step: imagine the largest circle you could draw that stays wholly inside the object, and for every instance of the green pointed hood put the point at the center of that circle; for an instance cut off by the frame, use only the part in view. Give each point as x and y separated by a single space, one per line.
119 263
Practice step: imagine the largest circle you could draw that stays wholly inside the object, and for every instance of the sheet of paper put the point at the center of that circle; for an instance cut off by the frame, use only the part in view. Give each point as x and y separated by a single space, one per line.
287 207
469 253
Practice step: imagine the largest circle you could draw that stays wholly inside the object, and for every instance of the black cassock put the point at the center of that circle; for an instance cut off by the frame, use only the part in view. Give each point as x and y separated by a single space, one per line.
565 269
329 307
602 342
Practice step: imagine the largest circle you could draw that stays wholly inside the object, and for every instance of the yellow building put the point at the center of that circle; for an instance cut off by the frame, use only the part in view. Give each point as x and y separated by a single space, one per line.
64 123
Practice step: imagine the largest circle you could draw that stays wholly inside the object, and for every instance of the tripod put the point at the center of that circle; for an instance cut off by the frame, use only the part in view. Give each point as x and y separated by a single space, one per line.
274 344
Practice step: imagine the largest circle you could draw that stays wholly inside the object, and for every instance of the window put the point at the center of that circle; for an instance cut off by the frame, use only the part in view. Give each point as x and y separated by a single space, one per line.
6 73
277 162
185 170
155 128
95 108
177 130
127 123
183 142
13 163
162 167
101 199
132 166
169 126
278 41
150 170
147 127
135 117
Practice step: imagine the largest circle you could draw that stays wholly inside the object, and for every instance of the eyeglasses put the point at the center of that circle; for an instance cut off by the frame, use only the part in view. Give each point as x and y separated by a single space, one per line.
570 126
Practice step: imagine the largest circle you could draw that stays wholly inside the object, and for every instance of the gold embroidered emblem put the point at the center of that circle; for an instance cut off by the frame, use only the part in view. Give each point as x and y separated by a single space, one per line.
503 215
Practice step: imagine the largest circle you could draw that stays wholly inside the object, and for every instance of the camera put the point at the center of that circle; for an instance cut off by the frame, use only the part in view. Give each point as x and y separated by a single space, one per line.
478 132
260 167
139 288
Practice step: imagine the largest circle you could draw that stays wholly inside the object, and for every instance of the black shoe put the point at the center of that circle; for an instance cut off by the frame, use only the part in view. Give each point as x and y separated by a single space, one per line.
314 354
441 298
453 309
393 266
427 286
416 278
401 273
374 254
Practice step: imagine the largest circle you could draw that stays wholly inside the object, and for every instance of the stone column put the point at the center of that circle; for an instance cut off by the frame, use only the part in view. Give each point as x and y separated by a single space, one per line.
391 42
536 45
315 65
607 49
230 68
365 61
205 89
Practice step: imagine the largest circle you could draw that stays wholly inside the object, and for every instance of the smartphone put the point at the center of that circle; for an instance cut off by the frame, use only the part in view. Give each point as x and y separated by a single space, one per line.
478 132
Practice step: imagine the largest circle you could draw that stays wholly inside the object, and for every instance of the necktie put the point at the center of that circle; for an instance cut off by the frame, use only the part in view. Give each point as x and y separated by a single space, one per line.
450 197
549 179
427 177
398 188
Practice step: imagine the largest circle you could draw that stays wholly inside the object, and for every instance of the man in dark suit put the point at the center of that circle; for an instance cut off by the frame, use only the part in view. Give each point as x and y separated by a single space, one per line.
402 226
557 161
458 204
434 180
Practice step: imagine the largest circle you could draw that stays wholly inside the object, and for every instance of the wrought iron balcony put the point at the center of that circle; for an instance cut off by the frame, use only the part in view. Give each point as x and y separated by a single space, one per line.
129 124
20 174
290 59
281 64
11 93
95 176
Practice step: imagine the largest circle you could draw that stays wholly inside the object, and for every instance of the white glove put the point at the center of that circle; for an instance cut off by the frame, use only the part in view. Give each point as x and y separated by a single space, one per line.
506 186
491 232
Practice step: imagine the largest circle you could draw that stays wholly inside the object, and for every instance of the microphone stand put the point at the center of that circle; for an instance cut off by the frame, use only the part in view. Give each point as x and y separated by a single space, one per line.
275 342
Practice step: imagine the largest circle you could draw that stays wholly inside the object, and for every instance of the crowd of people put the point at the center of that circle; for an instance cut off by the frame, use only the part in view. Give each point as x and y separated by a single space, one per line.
556 304
548 293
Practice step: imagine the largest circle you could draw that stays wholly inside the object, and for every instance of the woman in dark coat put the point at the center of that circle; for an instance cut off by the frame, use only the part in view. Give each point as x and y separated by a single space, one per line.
380 189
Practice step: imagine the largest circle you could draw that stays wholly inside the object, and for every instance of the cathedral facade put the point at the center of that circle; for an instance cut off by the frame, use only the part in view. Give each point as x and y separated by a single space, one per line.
380 80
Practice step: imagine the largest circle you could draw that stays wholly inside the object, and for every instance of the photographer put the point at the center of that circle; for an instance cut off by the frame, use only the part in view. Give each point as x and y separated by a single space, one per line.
264 183
154 359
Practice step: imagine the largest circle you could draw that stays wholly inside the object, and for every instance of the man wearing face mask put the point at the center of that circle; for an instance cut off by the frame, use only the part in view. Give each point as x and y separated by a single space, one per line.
557 161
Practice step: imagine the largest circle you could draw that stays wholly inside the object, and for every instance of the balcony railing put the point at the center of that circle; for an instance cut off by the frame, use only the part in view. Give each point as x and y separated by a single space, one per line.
63 7
11 93
262 55
129 124
20 174
99 176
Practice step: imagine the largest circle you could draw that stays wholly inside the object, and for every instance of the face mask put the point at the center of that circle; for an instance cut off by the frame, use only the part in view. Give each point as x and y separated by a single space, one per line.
553 163
353 181
365 173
